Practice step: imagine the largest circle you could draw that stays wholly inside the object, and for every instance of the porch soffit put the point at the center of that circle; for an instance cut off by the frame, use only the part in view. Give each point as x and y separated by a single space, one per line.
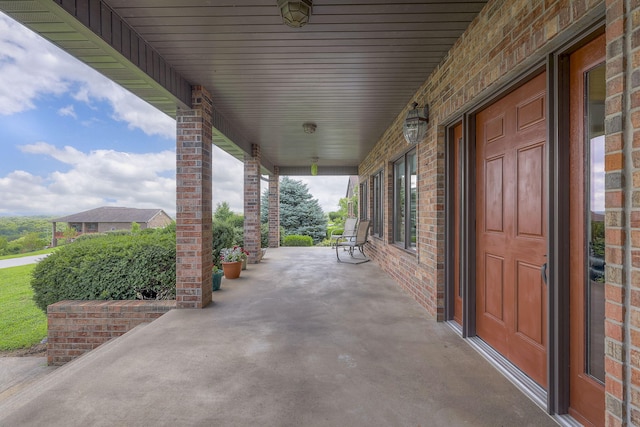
351 70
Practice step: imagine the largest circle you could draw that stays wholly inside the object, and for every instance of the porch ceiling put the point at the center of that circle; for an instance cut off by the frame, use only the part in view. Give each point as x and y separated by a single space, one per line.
351 70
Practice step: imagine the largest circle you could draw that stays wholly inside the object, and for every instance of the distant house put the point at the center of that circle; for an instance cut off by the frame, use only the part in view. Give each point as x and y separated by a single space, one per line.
352 187
110 218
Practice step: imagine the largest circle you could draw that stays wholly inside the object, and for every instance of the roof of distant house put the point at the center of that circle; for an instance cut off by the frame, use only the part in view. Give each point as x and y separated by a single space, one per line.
351 185
112 214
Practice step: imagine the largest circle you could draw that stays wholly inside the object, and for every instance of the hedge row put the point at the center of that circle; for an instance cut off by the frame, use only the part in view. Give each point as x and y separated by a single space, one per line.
297 240
109 267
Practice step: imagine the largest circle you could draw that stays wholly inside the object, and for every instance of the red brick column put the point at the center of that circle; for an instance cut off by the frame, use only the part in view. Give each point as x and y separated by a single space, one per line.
193 202
252 204
619 150
274 209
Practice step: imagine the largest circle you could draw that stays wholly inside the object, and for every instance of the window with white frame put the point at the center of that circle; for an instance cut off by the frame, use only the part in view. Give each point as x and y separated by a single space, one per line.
405 200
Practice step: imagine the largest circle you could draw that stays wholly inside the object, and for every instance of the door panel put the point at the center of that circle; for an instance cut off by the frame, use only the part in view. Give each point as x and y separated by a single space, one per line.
530 214
494 286
529 300
587 96
511 231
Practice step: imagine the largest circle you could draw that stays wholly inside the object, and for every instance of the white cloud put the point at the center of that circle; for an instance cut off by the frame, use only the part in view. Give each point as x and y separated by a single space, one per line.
327 189
31 69
68 111
96 178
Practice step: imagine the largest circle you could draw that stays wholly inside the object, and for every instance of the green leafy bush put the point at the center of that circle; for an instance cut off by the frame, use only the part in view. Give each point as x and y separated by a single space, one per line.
334 230
297 240
224 236
91 236
109 267
264 235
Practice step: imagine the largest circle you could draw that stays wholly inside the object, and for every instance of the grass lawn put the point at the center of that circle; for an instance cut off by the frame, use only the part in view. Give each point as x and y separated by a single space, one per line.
22 323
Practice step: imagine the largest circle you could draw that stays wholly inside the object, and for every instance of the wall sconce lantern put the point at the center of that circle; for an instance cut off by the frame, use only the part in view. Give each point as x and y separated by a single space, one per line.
314 166
415 125
295 13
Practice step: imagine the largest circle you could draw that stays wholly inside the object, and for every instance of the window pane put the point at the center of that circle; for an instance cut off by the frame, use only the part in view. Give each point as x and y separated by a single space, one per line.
595 229
364 200
377 204
399 198
413 201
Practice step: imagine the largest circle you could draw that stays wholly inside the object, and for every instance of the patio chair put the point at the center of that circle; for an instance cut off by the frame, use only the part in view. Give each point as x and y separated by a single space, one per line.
349 232
362 233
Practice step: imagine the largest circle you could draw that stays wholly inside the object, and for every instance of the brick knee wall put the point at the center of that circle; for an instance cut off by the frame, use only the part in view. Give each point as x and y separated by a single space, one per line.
76 327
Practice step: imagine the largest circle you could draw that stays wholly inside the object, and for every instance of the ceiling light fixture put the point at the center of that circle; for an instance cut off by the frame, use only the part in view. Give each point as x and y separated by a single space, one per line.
415 125
295 13
309 127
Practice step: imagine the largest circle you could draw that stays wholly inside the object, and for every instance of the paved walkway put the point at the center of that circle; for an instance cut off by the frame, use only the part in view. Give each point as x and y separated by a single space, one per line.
17 373
298 340
15 262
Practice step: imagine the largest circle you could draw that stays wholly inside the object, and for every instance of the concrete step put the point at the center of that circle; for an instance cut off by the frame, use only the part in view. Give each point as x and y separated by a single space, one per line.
17 373
20 376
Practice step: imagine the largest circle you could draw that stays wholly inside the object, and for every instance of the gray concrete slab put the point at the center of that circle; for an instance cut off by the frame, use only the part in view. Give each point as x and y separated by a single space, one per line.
298 340
16 373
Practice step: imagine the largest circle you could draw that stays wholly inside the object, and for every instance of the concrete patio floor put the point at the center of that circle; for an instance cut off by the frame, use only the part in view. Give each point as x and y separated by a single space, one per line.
298 340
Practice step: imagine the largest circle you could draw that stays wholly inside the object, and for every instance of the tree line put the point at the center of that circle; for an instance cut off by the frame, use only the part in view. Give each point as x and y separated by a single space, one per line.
21 234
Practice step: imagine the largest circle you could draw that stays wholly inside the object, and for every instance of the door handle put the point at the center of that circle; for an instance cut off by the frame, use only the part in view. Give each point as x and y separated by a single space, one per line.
543 272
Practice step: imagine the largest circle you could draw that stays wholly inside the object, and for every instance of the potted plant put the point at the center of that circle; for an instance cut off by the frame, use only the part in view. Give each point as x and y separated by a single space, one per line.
244 260
231 259
217 277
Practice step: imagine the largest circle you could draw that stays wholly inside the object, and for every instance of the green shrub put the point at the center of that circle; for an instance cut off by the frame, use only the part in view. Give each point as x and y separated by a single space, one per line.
326 242
264 235
297 240
236 220
117 233
90 236
334 230
238 236
223 237
109 267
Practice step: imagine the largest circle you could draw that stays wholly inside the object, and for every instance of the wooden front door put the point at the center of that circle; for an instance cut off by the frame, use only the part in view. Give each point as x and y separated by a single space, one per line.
587 98
511 227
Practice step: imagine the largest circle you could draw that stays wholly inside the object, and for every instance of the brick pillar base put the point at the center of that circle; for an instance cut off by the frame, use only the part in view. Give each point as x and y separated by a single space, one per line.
252 205
194 257
274 209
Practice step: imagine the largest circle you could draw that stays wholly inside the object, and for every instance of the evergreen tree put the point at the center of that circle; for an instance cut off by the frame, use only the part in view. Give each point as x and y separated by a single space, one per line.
223 212
300 213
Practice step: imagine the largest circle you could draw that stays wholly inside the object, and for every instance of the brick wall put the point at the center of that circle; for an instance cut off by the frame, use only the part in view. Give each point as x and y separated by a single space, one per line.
252 236
160 220
520 34
77 327
103 227
503 42
622 166
615 225
274 209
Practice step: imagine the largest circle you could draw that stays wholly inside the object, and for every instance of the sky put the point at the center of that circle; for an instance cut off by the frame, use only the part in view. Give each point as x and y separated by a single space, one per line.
72 140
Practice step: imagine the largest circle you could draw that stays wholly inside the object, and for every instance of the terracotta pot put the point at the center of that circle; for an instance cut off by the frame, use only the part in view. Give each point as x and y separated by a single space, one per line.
232 269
